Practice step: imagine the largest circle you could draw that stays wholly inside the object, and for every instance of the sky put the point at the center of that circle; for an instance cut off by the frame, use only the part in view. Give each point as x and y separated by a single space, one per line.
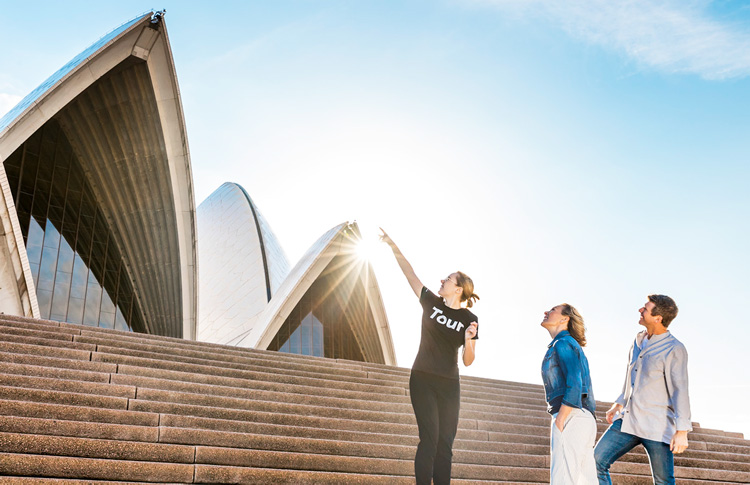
586 151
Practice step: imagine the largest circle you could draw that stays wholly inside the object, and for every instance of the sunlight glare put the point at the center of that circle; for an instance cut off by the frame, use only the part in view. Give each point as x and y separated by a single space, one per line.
367 247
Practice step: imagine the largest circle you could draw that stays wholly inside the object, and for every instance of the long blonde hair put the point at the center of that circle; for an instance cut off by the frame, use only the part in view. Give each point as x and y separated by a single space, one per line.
575 323
467 285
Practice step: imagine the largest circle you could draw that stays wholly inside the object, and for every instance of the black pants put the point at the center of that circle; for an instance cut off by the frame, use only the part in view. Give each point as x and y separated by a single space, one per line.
436 401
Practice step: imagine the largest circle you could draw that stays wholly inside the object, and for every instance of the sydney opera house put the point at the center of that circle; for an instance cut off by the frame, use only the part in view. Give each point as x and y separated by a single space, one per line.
99 225
146 338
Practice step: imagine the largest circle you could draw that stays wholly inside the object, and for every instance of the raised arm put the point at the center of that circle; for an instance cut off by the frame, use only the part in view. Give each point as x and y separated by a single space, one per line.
408 271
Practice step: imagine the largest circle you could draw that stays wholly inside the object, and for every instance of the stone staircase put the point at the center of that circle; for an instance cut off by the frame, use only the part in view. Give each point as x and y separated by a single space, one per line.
89 405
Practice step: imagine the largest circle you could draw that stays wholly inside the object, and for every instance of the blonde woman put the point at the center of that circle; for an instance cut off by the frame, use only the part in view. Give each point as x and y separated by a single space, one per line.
570 399
447 325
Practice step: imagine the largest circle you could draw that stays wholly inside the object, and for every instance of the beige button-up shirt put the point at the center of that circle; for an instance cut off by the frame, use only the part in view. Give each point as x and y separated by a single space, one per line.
655 393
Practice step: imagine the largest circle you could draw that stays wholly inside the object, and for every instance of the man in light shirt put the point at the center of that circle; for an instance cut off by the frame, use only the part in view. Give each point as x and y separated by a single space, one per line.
654 407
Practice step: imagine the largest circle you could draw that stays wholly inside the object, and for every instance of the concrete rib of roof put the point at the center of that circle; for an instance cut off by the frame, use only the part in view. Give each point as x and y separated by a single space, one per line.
120 107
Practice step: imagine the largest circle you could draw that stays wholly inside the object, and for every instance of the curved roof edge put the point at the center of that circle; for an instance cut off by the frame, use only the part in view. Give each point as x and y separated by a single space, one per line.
263 238
158 54
20 110
372 290
144 37
301 278
241 263
19 295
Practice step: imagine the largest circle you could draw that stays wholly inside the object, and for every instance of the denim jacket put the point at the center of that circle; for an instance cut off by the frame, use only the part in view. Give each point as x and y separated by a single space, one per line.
565 372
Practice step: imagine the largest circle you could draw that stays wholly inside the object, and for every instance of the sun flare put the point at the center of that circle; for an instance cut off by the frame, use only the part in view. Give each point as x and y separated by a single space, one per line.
366 248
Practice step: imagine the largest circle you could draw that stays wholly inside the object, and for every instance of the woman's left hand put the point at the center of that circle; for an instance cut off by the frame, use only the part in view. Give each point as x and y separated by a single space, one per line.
560 423
562 416
471 332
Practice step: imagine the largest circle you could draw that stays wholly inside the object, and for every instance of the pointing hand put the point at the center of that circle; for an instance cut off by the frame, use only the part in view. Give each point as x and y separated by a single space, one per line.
384 237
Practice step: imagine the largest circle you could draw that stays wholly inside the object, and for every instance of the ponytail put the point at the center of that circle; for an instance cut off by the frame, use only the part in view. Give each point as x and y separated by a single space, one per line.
467 285
471 300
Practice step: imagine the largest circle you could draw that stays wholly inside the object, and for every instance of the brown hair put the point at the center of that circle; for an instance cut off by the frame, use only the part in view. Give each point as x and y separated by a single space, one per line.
575 323
467 285
665 307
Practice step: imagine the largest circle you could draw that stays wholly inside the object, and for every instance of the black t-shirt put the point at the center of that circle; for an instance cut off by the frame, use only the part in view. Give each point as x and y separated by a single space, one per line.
443 331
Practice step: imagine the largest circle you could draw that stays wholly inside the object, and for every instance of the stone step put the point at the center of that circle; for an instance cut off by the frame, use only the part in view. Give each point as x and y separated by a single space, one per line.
58 420
67 385
290 405
326 381
71 412
128 391
238 457
310 397
220 425
57 362
58 352
41 325
52 372
127 337
81 429
112 449
57 481
48 342
405 408
270 417
83 403
216 427
52 396
404 417
309 387
158 363
728 448
213 437
354 394
516 397
717 461
28 332
337 447
94 468
685 472
170 341
245 462
352 464
229 474
148 351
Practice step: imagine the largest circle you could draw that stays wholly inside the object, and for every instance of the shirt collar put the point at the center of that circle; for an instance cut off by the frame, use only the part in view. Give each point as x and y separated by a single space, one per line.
656 338
560 335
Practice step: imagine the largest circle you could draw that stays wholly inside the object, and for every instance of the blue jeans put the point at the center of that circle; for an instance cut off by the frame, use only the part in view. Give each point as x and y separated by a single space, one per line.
614 443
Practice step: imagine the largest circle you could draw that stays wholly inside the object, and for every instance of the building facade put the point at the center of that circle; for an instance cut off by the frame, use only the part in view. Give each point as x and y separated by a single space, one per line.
327 305
98 214
98 224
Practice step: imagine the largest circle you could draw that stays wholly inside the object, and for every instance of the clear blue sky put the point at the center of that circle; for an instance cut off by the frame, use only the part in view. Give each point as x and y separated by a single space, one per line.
573 151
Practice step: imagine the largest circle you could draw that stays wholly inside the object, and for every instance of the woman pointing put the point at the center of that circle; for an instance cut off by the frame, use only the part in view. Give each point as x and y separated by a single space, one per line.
447 325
